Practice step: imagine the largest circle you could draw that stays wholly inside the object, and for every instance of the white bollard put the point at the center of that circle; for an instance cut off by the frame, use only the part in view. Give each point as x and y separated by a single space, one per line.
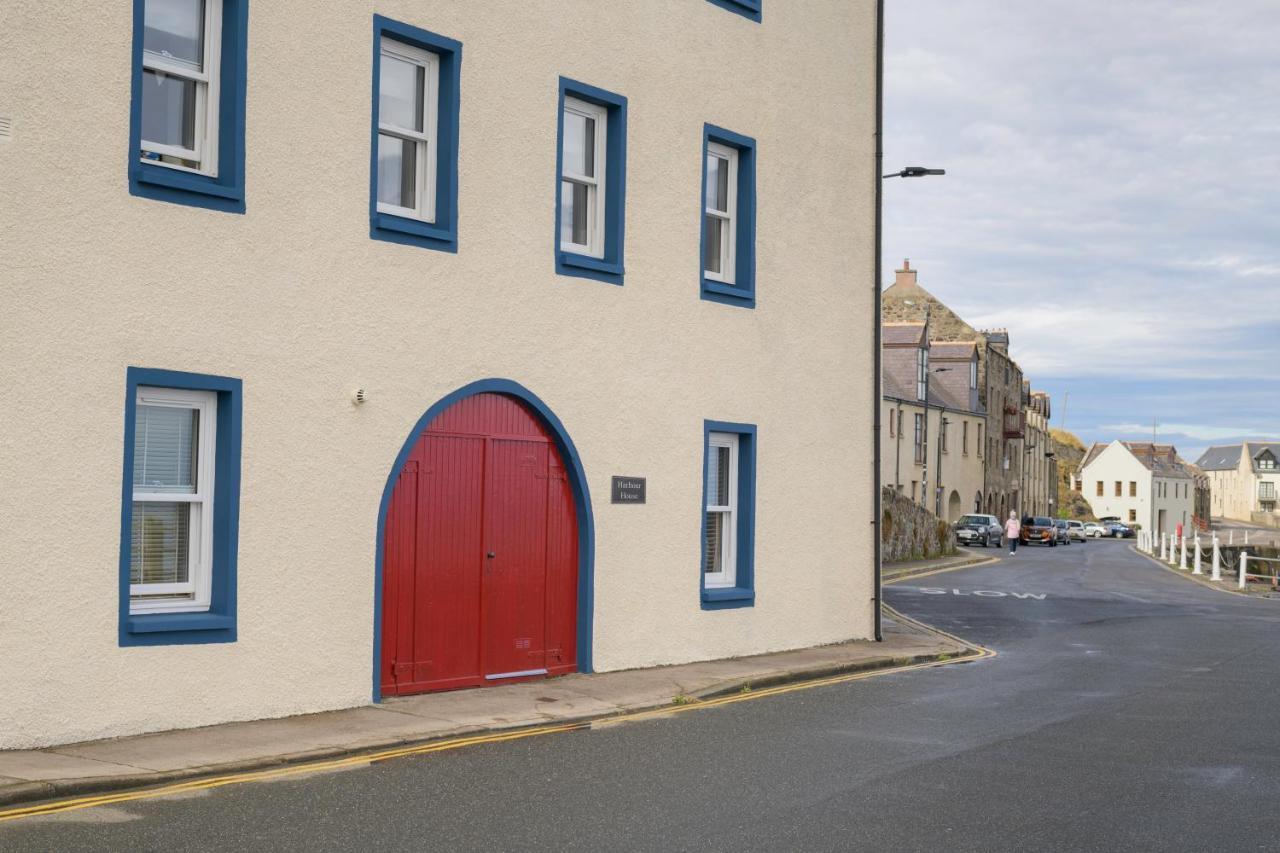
1164 554
1244 567
1182 561
1196 570
1217 559
1246 537
1231 537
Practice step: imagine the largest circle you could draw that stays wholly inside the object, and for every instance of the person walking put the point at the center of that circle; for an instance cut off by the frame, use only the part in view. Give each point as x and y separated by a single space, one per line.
1011 530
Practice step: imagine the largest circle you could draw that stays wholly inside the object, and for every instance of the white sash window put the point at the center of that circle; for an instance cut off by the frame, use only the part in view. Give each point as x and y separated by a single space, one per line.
582 171
171 542
721 213
408 99
181 43
719 564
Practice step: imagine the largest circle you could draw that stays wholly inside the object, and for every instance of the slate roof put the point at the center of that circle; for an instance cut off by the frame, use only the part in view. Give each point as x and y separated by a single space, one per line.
952 350
1227 457
902 334
1160 459
1224 458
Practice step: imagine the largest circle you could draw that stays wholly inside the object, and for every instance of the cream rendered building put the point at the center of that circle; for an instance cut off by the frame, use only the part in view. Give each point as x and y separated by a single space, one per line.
1139 483
1244 481
293 294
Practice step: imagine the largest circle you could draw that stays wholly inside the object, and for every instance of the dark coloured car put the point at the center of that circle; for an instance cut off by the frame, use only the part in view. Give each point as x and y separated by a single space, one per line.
976 529
1118 530
1039 530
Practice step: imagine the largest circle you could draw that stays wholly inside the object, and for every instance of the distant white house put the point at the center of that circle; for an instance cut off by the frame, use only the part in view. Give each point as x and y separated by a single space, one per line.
1244 480
1139 483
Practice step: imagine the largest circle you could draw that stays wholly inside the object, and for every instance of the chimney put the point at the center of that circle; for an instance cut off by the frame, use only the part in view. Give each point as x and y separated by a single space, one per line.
905 276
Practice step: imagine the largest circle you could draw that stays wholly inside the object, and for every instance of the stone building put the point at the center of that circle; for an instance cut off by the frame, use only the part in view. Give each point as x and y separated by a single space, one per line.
932 443
1040 469
1244 481
999 386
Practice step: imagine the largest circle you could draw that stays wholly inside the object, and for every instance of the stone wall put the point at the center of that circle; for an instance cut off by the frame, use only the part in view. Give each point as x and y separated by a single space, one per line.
908 531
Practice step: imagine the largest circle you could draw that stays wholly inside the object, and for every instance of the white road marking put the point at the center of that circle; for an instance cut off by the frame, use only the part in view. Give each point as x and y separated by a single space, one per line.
984 593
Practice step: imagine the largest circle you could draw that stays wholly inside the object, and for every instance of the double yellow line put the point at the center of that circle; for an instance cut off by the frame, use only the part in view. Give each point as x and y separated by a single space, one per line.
60 806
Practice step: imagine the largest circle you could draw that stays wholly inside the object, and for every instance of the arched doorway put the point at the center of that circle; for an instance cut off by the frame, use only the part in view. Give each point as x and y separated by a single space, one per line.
484 548
953 506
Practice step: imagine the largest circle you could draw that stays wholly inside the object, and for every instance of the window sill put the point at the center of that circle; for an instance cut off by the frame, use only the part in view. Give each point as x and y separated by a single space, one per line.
162 629
728 294
584 266
746 8
163 184
412 232
727 597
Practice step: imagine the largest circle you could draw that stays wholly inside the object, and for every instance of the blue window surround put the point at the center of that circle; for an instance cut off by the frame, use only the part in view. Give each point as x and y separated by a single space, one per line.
743 593
226 191
218 625
746 8
443 233
581 503
743 291
609 268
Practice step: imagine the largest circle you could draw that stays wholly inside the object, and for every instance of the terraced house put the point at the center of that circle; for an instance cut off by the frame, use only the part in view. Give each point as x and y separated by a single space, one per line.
399 347
1244 481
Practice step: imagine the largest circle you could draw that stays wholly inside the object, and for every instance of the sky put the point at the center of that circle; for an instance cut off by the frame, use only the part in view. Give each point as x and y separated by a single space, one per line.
1112 197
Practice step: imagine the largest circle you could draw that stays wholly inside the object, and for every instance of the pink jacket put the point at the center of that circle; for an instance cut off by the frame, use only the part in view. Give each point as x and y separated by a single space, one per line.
1012 528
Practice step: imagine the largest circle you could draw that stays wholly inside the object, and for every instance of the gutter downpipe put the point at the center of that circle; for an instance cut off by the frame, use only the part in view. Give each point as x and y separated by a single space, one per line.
875 325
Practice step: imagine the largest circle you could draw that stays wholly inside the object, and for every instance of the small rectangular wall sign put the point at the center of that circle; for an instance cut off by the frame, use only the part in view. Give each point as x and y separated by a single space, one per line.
628 490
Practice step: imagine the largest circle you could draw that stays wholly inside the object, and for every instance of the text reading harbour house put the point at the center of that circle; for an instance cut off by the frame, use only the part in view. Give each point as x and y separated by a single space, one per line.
346 338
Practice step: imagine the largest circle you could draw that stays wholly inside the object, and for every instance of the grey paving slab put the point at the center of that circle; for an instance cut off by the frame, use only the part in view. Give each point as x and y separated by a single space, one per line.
45 765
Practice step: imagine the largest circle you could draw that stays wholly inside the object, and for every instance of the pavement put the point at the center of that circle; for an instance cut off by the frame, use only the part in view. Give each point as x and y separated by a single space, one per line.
963 557
119 763
1257 586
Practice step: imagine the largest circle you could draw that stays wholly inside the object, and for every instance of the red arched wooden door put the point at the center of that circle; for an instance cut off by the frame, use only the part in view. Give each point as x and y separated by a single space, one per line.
481 554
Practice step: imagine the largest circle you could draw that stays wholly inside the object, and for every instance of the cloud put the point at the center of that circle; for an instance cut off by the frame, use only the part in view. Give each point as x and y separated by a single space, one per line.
1199 432
1110 192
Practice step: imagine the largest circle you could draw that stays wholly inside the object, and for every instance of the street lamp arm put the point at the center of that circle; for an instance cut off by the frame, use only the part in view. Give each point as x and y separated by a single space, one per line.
915 172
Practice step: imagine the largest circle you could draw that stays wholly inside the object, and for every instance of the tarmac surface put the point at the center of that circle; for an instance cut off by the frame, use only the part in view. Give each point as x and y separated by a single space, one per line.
1127 709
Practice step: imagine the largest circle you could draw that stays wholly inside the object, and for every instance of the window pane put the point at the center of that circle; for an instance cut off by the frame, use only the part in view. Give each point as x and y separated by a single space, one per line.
718 476
713 557
717 183
579 145
168 109
174 29
397 171
712 249
164 449
161 543
575 207
401 88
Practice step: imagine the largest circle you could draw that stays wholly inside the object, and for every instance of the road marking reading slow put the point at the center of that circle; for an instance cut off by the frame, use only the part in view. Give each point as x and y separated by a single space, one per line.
985 593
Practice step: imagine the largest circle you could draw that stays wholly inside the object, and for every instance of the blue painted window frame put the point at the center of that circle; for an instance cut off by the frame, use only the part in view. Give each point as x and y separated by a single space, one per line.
218 624
226 191
443 233
609 268
750 9
743 592
743 291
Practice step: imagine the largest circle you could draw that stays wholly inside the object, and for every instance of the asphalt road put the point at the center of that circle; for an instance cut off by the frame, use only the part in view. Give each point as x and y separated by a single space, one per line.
1127 709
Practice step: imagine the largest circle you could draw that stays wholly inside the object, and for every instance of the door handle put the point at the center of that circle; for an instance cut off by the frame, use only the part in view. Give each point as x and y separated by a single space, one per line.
490 555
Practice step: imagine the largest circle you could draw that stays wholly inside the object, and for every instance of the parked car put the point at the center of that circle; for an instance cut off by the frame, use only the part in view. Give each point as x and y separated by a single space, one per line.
1038 529
1075 529
1094 529
1118 530
1060 534
976 529
1107 519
